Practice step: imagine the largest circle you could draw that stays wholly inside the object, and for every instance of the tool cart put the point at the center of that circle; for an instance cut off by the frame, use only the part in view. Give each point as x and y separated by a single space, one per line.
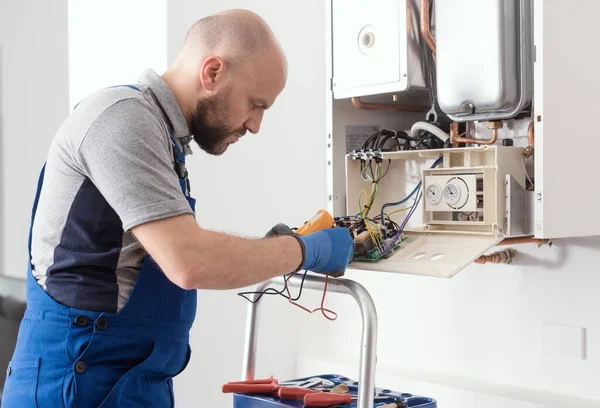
324 390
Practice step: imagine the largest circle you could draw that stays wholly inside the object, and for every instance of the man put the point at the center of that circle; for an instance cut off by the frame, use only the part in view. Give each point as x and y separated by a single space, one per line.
115 250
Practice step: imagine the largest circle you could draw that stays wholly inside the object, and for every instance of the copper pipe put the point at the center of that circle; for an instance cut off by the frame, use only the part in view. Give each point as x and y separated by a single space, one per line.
390 107
524 240
454 134
528 152
505 257
508 255
425 28
477 141
530 134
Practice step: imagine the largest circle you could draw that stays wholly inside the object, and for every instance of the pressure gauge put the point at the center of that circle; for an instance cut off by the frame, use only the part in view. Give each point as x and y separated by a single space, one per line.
434 194
452 194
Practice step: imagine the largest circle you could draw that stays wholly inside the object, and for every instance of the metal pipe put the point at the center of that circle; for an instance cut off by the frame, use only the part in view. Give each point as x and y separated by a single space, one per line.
390 107
531 134
251 339
493 125
369 330
528 152
478 141
454 134
425 27
505 257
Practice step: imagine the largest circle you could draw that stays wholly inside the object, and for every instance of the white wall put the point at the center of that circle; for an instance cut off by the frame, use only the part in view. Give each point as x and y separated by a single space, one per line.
53 53
484 327
111 42
33 103
275 176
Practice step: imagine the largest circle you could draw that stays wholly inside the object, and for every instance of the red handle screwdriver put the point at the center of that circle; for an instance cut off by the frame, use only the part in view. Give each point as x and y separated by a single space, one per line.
265 386
326 399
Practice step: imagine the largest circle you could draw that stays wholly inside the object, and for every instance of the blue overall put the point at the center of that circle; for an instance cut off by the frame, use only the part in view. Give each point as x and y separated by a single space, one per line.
75 358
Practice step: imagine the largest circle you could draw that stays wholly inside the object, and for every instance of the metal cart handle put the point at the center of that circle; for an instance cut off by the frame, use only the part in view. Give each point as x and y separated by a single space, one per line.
369 330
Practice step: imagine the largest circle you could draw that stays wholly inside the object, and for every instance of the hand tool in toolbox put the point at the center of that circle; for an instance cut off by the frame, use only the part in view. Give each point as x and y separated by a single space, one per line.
325 399
314 392
264 386
270 386
304 393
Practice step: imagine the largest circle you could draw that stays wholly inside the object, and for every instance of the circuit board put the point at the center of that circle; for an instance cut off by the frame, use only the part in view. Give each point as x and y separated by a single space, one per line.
374 254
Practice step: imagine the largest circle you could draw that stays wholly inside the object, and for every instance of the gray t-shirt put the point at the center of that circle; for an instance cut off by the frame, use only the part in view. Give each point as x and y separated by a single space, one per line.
110 168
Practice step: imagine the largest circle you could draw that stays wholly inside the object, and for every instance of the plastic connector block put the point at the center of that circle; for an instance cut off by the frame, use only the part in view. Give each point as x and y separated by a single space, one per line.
366 155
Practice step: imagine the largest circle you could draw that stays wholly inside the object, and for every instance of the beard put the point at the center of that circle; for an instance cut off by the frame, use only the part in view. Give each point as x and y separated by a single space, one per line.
212 138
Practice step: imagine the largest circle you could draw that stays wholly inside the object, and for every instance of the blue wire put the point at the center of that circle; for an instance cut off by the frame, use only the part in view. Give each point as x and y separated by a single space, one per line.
412 193
435 164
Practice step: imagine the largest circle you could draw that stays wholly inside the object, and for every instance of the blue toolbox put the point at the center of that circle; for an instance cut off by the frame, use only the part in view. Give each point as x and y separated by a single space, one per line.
383 396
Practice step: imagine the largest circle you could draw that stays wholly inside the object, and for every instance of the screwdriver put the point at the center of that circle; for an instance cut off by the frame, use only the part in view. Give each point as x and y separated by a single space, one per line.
264 386
298 393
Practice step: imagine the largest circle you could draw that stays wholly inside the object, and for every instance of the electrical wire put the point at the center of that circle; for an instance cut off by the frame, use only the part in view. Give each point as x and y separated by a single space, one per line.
397 211
398 234
293 300
412 193
273 291
378 140
362 192
374 179
322 309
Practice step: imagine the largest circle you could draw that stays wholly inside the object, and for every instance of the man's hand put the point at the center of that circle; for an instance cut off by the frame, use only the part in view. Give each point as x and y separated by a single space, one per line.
195 258
325 251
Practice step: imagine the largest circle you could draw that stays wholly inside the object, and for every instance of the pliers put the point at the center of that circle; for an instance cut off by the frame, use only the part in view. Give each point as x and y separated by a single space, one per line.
270 386
329 396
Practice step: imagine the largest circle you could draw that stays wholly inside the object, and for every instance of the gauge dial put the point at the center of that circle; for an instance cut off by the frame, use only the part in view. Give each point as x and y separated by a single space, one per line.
434 194
452 194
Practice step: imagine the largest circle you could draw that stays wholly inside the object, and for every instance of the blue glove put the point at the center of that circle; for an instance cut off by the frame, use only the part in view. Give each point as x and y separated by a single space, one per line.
327 251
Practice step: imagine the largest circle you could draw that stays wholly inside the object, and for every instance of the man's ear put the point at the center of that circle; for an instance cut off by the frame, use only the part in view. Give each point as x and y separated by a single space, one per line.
212 72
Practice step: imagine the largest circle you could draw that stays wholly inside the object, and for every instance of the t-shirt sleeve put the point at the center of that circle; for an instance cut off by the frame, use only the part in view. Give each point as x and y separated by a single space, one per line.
129 158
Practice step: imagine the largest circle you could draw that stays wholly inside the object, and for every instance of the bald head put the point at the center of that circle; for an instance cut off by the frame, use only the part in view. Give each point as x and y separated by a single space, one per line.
236 35
230 71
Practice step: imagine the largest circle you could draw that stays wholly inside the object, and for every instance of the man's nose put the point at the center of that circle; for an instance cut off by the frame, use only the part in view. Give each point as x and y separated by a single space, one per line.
254 121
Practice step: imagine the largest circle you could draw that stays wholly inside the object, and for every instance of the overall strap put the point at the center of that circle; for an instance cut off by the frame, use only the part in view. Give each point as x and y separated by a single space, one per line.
182 173
35 205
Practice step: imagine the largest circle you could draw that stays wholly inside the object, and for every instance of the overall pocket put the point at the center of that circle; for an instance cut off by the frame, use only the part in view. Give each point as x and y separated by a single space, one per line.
20 388
135 387
150 383
104 362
